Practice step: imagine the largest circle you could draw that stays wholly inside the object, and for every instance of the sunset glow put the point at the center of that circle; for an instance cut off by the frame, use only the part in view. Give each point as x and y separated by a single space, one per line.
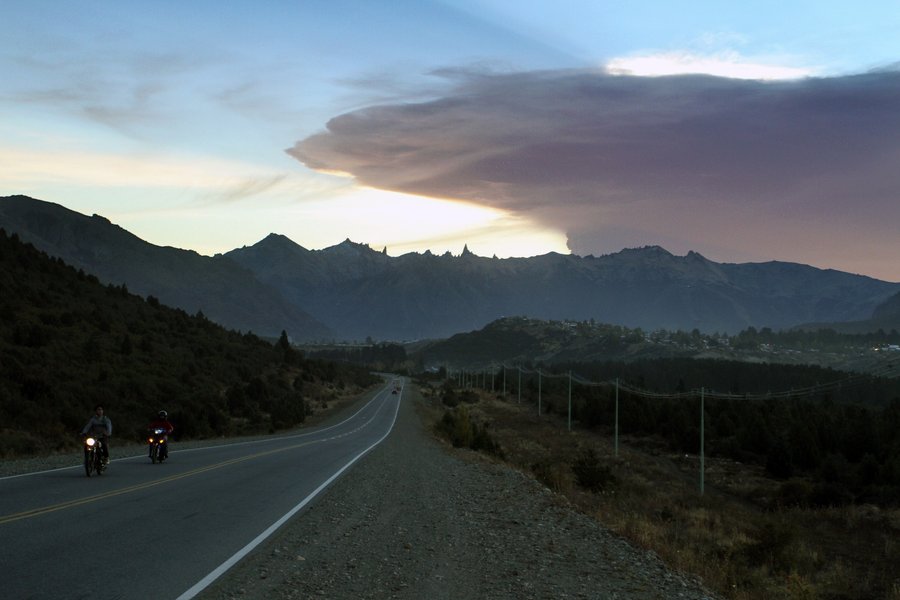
732 66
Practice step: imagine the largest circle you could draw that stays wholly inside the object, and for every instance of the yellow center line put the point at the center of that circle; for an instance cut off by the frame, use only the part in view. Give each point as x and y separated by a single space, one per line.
141 486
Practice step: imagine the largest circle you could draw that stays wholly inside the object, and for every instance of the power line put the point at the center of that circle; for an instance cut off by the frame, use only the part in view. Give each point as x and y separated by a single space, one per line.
888 368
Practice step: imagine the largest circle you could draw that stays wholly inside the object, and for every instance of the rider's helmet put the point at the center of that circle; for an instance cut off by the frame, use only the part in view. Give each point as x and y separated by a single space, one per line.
162 414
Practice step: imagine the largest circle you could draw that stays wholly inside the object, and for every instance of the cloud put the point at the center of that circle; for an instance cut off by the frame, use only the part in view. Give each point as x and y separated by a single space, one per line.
214 181
739 168
724 64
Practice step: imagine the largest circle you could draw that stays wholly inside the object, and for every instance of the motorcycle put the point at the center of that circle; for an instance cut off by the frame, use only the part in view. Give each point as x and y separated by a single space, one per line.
159 440
93 455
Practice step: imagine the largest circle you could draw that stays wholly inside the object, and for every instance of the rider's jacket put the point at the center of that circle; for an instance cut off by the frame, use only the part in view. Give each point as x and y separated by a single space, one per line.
98 426
161 424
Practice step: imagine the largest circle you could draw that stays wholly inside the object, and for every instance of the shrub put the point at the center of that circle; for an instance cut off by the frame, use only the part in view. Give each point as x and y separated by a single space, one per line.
556 475
450 399
589 473
827 494
482 441
457 426
288 411
773 544
468 396
14 443
794 492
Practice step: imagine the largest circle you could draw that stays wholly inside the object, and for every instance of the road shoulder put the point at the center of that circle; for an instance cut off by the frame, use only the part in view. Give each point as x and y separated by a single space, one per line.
413 519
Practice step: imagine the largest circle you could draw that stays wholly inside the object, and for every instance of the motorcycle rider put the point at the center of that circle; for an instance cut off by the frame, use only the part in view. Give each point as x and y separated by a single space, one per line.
162 422
100 427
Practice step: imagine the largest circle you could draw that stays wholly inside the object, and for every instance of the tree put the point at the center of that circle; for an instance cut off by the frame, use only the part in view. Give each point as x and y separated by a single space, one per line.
285 348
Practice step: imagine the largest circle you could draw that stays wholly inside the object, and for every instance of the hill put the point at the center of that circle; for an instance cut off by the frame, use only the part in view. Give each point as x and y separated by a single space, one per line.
68 342
520 340
885 317
216 286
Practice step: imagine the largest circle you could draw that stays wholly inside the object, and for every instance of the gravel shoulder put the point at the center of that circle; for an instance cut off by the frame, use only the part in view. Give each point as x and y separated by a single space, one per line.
417 519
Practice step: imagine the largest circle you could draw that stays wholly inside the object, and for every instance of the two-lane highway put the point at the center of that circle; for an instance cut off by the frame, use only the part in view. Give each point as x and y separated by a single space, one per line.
166 531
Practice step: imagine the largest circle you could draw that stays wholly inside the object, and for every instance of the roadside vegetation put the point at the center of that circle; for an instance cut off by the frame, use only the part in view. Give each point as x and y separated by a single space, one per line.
815 533
67 343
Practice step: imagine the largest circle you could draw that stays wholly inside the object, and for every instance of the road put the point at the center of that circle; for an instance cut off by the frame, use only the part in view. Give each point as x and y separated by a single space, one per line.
167 531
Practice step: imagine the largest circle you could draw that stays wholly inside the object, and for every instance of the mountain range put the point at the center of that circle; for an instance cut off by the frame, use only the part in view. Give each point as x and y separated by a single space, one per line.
352 292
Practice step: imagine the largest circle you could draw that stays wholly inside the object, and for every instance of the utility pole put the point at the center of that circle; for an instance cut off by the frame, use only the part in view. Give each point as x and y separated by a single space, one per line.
617 419
702 435
539 392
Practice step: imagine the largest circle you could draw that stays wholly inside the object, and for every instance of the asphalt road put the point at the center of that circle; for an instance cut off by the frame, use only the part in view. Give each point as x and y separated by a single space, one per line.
166 531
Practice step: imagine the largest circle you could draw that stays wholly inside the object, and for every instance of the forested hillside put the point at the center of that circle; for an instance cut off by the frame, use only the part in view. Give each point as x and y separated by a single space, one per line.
520 340
837 433
68 343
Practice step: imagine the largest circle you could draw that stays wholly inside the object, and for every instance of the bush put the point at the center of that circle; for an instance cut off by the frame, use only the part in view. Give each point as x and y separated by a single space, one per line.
828 494
14 443
557 476
452 399
482 441
458 428
794 492
589 473
288 412
773 545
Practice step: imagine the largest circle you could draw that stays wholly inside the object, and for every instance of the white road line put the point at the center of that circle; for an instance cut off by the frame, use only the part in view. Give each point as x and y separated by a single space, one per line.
221 569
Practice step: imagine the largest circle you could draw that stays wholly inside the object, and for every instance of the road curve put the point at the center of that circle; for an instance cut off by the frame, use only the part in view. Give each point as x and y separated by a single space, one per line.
166 531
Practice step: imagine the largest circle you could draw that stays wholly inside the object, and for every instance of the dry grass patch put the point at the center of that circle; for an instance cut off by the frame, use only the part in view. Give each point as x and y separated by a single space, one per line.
734 537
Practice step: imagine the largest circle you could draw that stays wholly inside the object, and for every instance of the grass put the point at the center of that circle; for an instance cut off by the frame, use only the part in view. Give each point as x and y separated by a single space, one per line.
734 537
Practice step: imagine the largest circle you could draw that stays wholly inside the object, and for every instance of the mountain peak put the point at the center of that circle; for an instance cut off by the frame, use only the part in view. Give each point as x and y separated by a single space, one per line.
696 258
642 255
276 240
274 244
350 248
647 251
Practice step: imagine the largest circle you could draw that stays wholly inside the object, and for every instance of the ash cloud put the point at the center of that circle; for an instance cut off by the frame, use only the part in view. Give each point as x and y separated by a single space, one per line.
735 168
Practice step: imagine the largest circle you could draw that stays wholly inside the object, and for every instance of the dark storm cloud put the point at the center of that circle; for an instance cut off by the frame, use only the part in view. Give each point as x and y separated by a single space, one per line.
665 158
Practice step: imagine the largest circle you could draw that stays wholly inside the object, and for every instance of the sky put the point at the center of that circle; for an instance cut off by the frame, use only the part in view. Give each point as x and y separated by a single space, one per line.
747 132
